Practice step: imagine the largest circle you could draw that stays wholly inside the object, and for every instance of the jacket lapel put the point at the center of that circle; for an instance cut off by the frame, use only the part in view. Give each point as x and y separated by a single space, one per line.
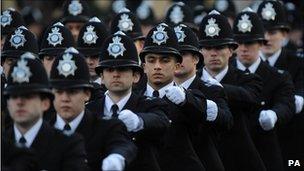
42 140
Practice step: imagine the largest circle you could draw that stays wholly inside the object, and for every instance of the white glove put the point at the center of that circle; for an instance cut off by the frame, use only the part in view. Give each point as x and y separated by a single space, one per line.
299 102
113 162
212 110
268 119
175 94
131 120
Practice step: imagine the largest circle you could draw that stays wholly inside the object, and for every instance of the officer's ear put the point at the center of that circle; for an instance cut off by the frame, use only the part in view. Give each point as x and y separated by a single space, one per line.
87 92
136 77
144 67
45 103
101 76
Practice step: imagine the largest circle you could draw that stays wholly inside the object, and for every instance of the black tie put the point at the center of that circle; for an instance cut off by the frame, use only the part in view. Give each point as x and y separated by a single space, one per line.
22 141
247 70
67 127
267 61
155 93
114 109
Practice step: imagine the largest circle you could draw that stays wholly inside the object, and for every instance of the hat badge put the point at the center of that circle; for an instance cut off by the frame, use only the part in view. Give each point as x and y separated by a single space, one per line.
90 36
143 11
212 28
6 18
180 34
268 13
176 15
55 37
244 24
17 39
160 36
67 66
125 23
116 48
21 73
75 8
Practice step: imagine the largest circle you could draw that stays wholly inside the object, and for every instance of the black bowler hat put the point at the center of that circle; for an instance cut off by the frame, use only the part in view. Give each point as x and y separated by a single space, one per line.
118 50
26 76
91 37
18 42
216 31
55 40
161 39
128 23
70 70
75 11
187 40
10 20
273 15
248 27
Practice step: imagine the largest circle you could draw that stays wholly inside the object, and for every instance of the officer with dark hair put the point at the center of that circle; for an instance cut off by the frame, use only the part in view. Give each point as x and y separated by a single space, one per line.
76 14
243 90
29 95
277 105
218 113
56 39
145 118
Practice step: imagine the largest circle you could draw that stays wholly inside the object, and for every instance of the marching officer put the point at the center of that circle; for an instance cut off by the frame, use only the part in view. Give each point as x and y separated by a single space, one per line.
29 95
243 90
277 95
76 14
145 118
107 143
56 39
218 113
161 58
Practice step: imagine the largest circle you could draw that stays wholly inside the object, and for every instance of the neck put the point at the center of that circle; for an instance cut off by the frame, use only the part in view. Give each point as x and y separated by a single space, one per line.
213 73
24 127
181 79
117 96
159 86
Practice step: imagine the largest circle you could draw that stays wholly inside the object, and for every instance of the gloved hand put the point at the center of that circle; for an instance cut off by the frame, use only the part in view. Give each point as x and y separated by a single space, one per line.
299 102
131 120
175 94
212 110
113 162
268 119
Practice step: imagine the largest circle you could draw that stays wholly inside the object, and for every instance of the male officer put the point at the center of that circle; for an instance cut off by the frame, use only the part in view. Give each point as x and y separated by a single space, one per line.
218 113
107 143
277 94
243 90
76 14
144 117
29 96
56 39
161 58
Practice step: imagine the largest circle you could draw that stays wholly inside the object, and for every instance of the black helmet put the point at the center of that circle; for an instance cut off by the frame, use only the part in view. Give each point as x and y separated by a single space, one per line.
128 23
273 15
145 14
91 37
70 70
75 11
161 39
56 39
10 20
118 50
248 27
18 42
216 31
27 75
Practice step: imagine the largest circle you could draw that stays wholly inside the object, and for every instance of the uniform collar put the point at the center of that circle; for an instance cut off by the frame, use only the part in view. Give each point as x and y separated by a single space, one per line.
149 90
218 77
60 123
273 58
109 103
252 67
186 84
30 135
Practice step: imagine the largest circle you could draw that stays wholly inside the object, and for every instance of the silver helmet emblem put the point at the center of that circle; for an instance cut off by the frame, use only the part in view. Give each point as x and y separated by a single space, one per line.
55 37
244 24
268 13
75 7
177 15
116 48
17 39
90 37
6 18
21 73
125 23
67 66
180 34
212 28
160 36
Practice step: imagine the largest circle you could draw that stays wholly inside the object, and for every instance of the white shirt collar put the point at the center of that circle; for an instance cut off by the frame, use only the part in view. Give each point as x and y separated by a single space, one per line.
149 90
218 77
188 82
273 58
109 102
98 81
30 135
60 123
252 67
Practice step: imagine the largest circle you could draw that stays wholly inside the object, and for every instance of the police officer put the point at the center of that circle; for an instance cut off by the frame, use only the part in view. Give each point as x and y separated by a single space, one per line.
29 95
76 14
145 118
107 143
243 91
56 39
161 58
277 94
218 113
